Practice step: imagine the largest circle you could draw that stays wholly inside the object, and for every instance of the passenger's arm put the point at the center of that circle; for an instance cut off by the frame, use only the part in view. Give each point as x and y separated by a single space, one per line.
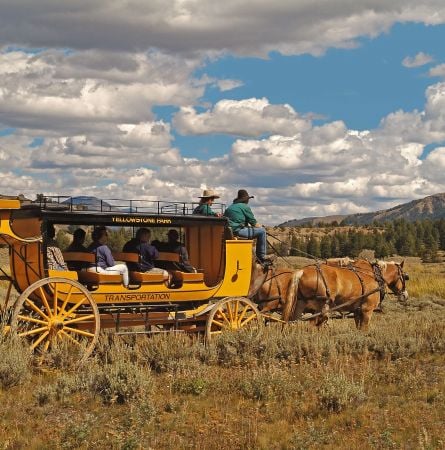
108 256
250 218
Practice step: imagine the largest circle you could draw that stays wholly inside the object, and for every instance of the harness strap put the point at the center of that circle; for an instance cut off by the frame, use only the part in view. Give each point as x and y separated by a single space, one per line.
354 269
379 278
328 292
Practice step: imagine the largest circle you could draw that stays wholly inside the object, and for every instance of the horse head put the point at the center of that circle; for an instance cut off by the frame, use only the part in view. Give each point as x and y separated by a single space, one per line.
395 278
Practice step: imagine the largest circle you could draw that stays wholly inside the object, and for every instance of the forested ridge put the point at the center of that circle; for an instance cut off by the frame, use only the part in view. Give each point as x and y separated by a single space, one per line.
424 238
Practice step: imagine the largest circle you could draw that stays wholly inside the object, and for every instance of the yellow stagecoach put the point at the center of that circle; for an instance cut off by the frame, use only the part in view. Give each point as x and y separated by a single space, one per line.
70 306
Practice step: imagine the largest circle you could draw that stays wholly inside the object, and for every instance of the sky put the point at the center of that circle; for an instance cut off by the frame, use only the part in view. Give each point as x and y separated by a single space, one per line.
315 107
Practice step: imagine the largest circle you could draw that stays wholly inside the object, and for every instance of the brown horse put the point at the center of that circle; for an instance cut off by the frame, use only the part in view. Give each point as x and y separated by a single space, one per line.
277 289
388 273
358 288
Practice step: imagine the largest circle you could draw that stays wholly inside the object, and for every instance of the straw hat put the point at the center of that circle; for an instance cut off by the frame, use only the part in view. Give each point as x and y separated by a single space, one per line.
209 193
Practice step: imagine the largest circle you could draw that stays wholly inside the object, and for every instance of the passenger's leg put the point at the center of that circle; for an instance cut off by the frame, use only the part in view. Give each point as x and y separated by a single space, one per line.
158 270
120 269
260 234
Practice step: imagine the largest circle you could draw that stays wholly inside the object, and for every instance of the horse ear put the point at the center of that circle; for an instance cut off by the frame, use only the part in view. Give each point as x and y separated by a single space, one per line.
401 264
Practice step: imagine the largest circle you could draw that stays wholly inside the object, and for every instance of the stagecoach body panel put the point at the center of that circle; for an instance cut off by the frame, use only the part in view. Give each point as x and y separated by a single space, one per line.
224 263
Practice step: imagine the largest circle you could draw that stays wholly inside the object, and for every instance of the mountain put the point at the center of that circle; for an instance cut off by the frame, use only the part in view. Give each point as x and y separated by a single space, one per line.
88 203
431 207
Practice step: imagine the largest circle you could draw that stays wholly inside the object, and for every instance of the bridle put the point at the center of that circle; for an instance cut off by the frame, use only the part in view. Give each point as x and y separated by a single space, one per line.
402 277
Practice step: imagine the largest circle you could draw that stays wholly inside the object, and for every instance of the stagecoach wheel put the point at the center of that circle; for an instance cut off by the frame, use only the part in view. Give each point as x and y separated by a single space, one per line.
231 314
54 312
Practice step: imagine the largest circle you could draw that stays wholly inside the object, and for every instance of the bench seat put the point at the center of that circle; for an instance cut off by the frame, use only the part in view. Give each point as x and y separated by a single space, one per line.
186 277
146 277
98 278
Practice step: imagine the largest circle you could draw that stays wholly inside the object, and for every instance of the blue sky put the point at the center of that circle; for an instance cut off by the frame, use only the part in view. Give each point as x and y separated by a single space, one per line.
316 108
358 86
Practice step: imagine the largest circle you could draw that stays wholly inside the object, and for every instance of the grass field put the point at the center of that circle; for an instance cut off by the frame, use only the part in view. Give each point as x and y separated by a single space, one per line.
289 388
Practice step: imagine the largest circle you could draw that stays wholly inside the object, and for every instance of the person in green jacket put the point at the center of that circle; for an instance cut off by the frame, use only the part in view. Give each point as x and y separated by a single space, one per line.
243 223
205 204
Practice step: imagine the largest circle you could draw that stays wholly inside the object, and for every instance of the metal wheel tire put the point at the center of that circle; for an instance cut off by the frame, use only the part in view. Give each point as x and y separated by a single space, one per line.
55 311
233 313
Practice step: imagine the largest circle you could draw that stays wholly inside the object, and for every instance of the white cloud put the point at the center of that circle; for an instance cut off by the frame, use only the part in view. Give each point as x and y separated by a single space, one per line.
79 92
249 117
418 60
437 71
93 102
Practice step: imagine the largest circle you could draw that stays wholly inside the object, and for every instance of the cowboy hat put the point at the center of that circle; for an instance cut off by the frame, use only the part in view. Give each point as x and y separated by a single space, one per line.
242 196
209 193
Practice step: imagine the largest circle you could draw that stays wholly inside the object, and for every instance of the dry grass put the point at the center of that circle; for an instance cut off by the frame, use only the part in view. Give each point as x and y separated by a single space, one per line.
290 388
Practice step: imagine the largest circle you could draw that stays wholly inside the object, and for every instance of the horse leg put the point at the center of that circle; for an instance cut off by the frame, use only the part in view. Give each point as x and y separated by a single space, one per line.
358 318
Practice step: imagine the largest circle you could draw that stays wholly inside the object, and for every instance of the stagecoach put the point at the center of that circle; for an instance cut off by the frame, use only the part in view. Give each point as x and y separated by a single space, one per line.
71 307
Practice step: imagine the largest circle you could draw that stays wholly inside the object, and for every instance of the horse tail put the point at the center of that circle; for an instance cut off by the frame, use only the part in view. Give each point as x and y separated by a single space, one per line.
290 305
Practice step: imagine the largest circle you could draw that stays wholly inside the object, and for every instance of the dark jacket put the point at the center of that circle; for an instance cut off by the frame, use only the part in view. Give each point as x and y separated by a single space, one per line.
148 253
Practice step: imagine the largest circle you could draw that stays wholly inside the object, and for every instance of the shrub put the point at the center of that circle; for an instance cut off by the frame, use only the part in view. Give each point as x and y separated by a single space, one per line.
15 362
120 382
336 393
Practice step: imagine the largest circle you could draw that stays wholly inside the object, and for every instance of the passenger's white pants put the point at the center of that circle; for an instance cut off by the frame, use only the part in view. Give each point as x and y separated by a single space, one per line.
118 269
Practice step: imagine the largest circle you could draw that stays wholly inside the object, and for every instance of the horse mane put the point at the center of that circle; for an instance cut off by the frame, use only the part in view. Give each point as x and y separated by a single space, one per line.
384 264
342 262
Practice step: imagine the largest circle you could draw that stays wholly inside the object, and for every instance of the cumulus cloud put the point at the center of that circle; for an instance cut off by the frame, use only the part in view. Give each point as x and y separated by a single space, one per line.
53 90
417 61
103 67
247 28
249 117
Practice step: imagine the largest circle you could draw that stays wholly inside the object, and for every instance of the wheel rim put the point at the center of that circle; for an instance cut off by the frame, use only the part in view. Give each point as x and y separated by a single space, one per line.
56 311
232 314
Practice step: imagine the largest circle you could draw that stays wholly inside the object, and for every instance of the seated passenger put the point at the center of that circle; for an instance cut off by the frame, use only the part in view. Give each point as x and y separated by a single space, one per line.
205 204
104 260
77 247
78 241
54 255
244 224
147 253
174 246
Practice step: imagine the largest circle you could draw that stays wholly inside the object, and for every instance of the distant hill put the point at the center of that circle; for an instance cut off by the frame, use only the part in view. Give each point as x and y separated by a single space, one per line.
86 203
431 207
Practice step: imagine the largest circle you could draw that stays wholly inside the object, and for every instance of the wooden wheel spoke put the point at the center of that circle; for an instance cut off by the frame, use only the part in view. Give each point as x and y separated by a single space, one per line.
236 309
55 294
67 298
229 311
33 331
76 306
39 340
45 301
46 346
224 316
32 319
81 332
216 332
75 341
253 316
31 304
79 319
220 324
243 313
